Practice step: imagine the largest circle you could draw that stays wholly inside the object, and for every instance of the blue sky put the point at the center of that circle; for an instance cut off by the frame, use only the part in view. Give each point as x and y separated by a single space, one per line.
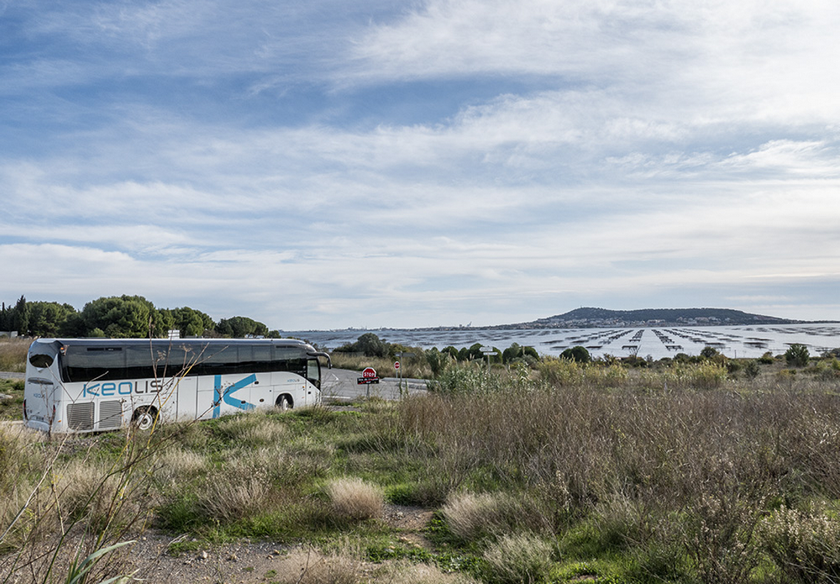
332 164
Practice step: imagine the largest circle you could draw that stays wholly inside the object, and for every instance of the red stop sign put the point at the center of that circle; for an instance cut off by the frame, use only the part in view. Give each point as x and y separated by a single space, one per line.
369 373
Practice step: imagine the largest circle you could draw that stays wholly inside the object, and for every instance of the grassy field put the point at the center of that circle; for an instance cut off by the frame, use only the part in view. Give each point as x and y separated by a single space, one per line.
13 354
681 472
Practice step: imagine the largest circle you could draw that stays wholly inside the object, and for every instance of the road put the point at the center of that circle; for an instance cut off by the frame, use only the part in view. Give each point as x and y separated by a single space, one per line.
341 385
10 375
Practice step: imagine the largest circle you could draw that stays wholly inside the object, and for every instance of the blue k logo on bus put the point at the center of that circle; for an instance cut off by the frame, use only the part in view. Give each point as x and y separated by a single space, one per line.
227 394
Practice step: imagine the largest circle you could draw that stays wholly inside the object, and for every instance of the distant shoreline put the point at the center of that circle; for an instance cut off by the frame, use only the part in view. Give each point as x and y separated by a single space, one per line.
582 318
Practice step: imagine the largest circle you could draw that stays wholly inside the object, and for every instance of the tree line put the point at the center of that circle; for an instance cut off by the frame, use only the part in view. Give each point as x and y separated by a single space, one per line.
121 317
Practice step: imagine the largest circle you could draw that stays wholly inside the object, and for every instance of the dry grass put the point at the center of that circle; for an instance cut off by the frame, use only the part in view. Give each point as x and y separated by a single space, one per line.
415 367
252 429
804 544
13 354
681 469
354 499
308 566
177 465
406 573
229 496
518 559
473 517
345 566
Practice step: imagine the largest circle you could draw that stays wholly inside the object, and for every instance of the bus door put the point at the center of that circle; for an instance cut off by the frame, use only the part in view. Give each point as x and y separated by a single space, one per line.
187 399
205 396
313 375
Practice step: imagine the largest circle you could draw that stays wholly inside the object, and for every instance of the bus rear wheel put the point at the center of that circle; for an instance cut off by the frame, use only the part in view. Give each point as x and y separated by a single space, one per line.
144 418
284 402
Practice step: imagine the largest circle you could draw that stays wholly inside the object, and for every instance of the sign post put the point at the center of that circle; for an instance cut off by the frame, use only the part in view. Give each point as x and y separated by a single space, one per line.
368 376
487 351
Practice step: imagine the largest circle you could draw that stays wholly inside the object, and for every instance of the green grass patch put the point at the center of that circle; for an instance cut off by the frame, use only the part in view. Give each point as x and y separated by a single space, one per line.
11 409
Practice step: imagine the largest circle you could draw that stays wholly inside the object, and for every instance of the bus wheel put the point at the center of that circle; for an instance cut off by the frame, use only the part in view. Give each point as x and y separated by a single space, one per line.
284 402
144 418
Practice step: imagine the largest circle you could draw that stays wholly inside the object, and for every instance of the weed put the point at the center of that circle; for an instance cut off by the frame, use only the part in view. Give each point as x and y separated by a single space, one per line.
11 407
354 500
805 545
518 559
13 354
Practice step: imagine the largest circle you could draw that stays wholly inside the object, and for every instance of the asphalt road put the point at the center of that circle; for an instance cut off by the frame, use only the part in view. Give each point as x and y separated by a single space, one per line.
10 375
341 385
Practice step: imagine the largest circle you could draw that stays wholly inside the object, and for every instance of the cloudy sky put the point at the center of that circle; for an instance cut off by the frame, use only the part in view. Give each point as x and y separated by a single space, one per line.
330 164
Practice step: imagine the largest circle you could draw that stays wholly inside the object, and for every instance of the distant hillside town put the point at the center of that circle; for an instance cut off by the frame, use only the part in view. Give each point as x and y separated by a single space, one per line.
650 317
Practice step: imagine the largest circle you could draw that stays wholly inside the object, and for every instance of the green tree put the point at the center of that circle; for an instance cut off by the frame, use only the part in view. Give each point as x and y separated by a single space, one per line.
124 317
191 322
709 352
474 352
437 360
451 351
797 355
46 319
238 327
511 353
372 346
20 317
577 354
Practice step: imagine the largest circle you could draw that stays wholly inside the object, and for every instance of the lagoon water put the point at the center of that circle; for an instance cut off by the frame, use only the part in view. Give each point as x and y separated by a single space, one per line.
733 341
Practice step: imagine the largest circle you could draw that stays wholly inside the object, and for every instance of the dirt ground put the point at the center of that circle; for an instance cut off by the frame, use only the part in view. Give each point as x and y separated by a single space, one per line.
243 562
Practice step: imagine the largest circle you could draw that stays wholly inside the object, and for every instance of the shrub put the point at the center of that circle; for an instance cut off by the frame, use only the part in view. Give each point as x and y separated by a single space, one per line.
577 354
752 369
229 496
719 535
709 352
612 375
767 358
827 369
437 361
561 372
797 355
252 429
354 499
471 516
518 559
804 545
313 567
176 465
467 379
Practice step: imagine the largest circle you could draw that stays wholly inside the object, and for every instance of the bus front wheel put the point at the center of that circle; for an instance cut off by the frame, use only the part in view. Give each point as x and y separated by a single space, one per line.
284 402
144 418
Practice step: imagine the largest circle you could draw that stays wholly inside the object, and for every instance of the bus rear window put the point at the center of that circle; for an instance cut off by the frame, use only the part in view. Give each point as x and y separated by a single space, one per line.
40 360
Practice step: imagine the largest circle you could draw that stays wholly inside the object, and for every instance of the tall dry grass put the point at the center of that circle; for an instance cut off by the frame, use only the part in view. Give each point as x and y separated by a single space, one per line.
410 367
13 354
352 499
692 469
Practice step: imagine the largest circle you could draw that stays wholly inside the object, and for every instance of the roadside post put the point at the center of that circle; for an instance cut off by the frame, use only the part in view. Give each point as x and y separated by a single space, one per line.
487 351
399 355
368 376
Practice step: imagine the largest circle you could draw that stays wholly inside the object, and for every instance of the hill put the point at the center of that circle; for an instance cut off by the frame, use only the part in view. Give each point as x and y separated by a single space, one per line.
602 317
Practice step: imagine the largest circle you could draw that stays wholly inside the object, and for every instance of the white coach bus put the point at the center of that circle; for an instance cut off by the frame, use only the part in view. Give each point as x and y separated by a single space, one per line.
91 385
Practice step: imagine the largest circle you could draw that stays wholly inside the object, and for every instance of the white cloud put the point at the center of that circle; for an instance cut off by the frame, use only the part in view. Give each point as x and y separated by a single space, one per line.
617 149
